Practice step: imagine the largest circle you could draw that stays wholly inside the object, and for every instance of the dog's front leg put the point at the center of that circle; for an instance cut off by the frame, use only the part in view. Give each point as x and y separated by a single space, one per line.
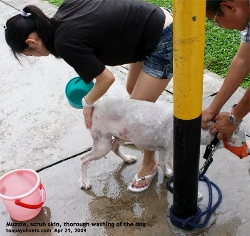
125 158
165 163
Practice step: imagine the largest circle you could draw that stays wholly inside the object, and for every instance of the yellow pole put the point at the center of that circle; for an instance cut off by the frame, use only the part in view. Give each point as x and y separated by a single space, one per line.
188 43
189 36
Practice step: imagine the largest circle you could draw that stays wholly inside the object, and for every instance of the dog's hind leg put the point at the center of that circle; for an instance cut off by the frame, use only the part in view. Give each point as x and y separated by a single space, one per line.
116 150
101 147
85 160
166 164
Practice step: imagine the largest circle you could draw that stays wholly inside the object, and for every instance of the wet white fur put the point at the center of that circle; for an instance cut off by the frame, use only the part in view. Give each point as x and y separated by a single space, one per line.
147 125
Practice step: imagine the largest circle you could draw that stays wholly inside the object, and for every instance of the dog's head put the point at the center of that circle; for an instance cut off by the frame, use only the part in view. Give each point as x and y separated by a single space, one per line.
237 143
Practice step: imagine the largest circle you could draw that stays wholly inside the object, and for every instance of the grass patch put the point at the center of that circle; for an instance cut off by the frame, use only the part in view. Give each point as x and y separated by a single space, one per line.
220 44
56 2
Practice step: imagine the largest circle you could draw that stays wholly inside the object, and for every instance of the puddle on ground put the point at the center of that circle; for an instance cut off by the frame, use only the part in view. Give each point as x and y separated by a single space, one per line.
131 213
121 212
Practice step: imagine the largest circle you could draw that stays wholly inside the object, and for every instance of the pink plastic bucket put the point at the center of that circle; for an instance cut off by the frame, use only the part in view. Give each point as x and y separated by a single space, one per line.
22 193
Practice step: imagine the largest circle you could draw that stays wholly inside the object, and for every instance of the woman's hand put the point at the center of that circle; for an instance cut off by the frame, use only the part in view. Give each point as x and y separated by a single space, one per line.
101 86
87 113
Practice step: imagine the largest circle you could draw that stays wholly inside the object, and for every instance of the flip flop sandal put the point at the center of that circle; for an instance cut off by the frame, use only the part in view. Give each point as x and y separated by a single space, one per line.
127 142
138 190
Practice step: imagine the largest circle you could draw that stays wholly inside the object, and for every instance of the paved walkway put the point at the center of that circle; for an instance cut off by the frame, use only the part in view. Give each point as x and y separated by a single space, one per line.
38 128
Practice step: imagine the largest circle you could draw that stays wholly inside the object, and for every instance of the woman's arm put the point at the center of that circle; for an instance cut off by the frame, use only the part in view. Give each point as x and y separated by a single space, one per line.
102 84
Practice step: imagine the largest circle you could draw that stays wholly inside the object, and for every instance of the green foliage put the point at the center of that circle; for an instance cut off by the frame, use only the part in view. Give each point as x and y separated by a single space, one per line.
220 44
161 3
56 2
220 47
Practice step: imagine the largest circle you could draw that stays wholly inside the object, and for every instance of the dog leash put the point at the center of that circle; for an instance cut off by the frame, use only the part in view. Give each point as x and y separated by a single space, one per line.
193 221
208 155
65 159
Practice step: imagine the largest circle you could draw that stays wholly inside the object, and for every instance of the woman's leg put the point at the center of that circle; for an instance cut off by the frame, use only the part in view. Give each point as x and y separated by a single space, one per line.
133 74
147 88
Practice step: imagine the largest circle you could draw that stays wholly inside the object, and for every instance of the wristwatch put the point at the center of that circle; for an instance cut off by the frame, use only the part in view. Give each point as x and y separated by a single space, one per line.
232 118
85 104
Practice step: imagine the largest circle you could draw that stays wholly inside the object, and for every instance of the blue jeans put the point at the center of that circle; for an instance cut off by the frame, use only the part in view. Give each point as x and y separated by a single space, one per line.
159 63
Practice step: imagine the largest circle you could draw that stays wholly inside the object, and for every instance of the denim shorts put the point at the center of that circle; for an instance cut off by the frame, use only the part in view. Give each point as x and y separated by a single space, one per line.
159 63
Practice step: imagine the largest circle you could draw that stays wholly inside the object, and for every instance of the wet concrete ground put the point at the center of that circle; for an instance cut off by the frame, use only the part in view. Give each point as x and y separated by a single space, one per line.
38 128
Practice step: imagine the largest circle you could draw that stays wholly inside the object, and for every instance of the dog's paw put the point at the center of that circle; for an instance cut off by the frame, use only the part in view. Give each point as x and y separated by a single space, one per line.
130 158
84 184
168 172
200 196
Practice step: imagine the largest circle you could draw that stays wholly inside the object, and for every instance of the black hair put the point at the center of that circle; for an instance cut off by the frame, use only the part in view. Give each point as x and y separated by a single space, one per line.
20 26
213 7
